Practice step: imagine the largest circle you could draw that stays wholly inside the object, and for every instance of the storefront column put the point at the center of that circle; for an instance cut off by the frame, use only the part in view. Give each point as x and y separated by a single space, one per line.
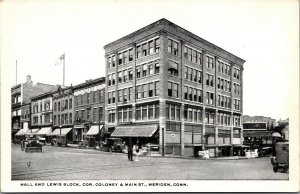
162 126
133 112
216 131
182 130
203 127
231 134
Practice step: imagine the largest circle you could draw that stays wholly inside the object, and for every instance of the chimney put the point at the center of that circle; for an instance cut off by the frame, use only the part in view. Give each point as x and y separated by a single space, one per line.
28 79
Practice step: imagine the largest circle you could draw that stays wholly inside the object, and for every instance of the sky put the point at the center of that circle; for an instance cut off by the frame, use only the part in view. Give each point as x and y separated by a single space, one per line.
264 33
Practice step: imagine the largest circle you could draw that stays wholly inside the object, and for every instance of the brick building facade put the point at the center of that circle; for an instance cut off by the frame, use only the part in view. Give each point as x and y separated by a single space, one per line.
89 98
168 86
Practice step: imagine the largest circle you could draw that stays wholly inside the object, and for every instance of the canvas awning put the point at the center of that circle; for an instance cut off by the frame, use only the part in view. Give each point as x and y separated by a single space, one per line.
61 132
94 130
32 131
45 131
21 132
135 131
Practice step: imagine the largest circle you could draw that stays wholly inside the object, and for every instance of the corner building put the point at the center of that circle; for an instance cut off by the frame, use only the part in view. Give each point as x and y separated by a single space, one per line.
168 86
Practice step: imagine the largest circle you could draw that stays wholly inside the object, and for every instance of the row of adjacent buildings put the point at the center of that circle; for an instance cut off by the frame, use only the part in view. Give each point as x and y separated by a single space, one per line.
72 112
163 85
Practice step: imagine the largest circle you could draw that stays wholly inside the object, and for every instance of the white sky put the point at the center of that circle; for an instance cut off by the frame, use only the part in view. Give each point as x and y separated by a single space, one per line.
264 33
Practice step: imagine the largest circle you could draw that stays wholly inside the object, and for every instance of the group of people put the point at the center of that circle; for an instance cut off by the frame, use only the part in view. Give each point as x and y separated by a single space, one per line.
130 149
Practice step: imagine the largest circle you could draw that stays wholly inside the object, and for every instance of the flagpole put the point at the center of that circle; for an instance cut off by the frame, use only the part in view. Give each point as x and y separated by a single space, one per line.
64 70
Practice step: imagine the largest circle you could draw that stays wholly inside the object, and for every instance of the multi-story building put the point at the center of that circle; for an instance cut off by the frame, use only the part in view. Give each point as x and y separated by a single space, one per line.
41 114
89 98
168 86
63 113
21 99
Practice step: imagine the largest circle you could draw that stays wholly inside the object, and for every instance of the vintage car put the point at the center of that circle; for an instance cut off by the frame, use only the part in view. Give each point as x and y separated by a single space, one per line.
32 145
112 145
280 158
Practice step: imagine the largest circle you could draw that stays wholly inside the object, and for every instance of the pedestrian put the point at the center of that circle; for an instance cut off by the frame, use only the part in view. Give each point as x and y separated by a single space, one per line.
129 150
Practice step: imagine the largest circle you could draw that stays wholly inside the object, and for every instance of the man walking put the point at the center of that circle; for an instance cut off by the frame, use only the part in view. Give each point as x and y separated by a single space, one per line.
130 149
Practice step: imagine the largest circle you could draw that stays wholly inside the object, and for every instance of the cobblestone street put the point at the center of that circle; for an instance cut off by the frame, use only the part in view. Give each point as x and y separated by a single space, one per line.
60 163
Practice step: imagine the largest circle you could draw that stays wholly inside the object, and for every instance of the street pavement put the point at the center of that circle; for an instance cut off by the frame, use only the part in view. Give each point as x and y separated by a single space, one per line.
61 163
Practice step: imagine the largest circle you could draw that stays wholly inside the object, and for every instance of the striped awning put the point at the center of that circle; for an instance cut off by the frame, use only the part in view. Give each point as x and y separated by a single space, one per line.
135 131
94 130
61 132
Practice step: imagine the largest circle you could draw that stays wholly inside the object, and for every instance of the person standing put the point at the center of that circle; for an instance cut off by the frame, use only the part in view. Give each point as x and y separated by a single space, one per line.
130 149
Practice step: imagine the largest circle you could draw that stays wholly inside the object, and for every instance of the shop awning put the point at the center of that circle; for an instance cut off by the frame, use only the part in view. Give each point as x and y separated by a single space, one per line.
45 131
135 131
94 130
61 132
21 132
32 131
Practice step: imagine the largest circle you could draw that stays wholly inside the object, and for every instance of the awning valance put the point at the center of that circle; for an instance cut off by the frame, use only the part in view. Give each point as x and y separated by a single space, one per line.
61 132
135 131
94 130
21 132
45 131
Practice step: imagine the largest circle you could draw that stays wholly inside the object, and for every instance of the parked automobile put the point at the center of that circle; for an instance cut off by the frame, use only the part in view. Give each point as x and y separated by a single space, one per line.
32 145
112 145
280 158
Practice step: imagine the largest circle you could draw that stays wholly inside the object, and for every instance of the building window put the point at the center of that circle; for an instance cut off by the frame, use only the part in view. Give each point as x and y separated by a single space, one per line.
100 114
139 92
113 61
55 120
145 90
138 112
70 118
138 72
151 112
156 93
120 96
130 75
139 51
70 103
151 47
58 119
125 75
111 116
109 97
130 54
145 70
113 97
120 58
125 94
169 89
88 98
175 90
156 68
109 62
55 106
185 92
151 69
113 77
126 57
157 45
173 68
170 45
58 106
151 90
120 76
144 49
130 93
175 51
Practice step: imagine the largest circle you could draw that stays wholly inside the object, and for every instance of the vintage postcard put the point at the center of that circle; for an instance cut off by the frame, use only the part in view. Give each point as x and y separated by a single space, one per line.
148 96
